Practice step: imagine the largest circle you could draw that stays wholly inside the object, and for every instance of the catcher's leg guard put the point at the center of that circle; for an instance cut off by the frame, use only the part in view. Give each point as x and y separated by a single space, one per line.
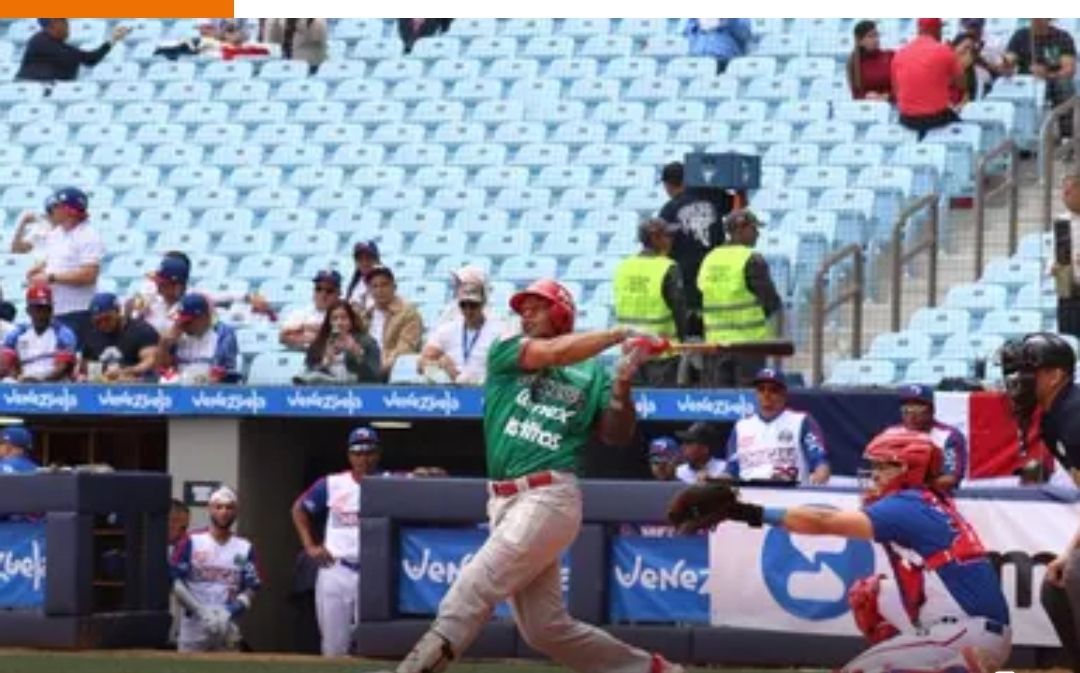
431 654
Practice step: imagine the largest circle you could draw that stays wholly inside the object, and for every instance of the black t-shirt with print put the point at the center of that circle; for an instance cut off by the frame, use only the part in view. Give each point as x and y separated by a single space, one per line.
134 336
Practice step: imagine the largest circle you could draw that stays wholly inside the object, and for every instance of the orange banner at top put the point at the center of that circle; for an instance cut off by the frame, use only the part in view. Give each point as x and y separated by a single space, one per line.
106 9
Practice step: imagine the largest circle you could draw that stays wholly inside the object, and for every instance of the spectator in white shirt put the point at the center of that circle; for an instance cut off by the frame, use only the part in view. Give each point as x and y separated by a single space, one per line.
33 230
459 278
196 349
73 252
302 326
45 349
700 463
458 347
366 257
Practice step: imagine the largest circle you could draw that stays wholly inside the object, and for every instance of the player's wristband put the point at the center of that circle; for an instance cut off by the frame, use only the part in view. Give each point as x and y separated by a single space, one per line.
774 516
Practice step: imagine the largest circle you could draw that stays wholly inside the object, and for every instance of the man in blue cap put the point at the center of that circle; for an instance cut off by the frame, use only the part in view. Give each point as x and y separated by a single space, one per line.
337 497
16 444
121 348
198 348
664 457
49 57
776 444
301 327
917 414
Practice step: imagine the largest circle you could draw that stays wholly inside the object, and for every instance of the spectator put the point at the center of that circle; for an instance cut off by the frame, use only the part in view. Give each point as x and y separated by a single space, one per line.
1048 53
869 67
466 276
33 229
664 458
924 74
740 298
649 297
117 348
342 351
412 30
72 263
196 349
395 323
300 39
44 350
366 257
721 39
49 58
458 347
300 329
1067 276
696 451
988 58
700 219
16 445
777 444
917 414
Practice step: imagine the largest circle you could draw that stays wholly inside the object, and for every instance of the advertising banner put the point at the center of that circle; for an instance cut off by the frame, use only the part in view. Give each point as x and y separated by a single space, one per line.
22 565
659 579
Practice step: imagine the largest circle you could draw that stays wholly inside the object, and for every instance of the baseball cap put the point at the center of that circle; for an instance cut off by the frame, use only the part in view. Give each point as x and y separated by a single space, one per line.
368 247
972 23
378 270
916 393
469 274
471 292
672 172
104 301
39 295
363 440
663 449
173 270
193 305
224 495
44 23
770 375
72 198
929 25
328 276
698 433
19 436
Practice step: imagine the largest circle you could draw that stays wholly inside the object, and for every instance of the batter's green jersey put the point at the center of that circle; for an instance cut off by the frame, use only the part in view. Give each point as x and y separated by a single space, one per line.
540 420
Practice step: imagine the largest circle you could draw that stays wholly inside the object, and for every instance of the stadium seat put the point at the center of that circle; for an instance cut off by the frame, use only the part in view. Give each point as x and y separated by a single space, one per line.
480 221
976 298
862 373
1011 323
313 179
309 242
275 368
259 267
223 219
191 241
971 346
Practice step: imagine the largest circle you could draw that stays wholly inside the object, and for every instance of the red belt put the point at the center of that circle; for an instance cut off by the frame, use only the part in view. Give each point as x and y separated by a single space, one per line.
511 487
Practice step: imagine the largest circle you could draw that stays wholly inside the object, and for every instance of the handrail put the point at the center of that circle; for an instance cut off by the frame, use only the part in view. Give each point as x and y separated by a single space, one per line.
1048 135
901 256
821 308
982 195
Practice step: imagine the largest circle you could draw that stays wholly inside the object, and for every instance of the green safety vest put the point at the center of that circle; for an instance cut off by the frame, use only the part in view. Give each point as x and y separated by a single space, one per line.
639 295
730 310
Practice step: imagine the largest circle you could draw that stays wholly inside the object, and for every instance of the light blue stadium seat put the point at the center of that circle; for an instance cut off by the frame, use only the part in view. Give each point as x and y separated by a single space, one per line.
101 196
164 219
435 112
784 45
296 154
12 154
437 177
475 90
354 30
159 134
762 133
781 251
773 176
203 198
809 67
286 220
815 26
241 243
576 134
826 134
816 179
674 112
332 136
15 93
516 134
971 346
353 155
658 154
563 177
889 135
309 242
397 134
372 177
218 72
640 133
1036 245
641 28
200 114
1012 273
963 142
108 156
275 368
122 92
976 298
411 91
89 135
837 47
932 372
503 243
602 155
444 265
1028 94
513 69
652 90
297 92
66 92
582 28
798 113
313 179
115 71
642 201
424 292
24 197
494 178
554 112
856 155
256 341
246 178
741 112
191 241
42 133
435 48
27 113
18 175
587 198
172 71
415 155
123 177
359 90
393 198
854 209
177 93
139 198
526 28
517 199
614 48
452 199
456 134
175 154
261 112
129 266
438 243
791 155
336 71
545 48
628 68
537 155
390 244
927 161
405 371
1038 296
940 323
453 69
222 219
752 67
1011 323
397 70
862 113
240 92
893 188
130 241
523 269
702 133
901 348
628 177
111 218
81 113
363 222
546 220
565 244
828 89
594 90
591 268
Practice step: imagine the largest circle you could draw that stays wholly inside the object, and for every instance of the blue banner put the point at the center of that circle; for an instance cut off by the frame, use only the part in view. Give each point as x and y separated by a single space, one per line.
659 579
328 402
432 558
22 565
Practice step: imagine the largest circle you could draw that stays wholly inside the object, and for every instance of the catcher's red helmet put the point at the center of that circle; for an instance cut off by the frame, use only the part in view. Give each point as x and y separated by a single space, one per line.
921 459
562 309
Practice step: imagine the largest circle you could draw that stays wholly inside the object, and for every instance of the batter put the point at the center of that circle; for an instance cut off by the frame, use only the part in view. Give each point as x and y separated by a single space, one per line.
545 396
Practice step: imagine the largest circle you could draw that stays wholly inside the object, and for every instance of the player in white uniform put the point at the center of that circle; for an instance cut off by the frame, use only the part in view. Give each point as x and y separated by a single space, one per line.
699 463
337 496
215 579
776 444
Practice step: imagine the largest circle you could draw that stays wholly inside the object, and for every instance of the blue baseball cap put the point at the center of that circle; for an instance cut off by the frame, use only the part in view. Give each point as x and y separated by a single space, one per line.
104 301
44 23
328 276
70 197
19 436
916 393
363 440
193 305
172 269
663 449
367 248
770 375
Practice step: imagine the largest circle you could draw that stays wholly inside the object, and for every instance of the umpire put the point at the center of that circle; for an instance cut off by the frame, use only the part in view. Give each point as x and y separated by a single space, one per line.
1039 377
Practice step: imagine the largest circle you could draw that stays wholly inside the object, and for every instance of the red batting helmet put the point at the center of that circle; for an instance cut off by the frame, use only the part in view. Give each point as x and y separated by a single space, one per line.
562 309
914 451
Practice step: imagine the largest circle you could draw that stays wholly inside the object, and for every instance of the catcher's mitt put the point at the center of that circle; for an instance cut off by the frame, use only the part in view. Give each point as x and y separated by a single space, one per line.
705 505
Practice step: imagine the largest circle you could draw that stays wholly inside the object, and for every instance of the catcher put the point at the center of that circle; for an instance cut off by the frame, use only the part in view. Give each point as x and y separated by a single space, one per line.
214 579
943 609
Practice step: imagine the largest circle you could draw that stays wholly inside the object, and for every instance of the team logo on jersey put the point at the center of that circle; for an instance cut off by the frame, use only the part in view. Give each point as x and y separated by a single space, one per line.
785 436
809 577
239 560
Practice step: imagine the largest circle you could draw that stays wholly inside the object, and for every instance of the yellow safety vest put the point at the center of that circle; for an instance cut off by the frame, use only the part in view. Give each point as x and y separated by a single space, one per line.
730 310
639 295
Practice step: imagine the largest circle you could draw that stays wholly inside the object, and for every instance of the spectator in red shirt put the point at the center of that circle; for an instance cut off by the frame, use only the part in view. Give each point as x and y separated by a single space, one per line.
923 74
869 67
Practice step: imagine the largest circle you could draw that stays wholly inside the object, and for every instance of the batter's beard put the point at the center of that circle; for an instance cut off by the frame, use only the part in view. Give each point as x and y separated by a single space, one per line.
216 523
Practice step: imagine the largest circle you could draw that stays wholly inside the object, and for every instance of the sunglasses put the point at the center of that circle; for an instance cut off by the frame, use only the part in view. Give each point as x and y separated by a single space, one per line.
322 289
467 305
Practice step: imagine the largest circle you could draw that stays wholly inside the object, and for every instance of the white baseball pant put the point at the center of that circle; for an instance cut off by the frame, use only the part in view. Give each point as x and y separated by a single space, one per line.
193 637
520 561
337 607
974 644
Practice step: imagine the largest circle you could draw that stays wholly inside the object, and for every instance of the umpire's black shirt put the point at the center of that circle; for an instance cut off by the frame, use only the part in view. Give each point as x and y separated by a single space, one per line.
701 228
1060 427
47 59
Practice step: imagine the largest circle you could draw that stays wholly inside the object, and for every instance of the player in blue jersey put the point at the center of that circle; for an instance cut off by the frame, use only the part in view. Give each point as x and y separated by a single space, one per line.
943 608
16 443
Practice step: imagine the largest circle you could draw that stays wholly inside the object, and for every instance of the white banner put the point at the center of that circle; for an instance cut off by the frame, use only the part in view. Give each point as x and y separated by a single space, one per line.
771 580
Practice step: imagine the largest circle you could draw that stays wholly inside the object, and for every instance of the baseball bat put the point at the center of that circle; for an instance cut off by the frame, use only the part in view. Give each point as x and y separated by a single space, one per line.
774 347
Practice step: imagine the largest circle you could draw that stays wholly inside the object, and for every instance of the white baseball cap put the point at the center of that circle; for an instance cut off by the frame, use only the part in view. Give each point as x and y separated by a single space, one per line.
224 495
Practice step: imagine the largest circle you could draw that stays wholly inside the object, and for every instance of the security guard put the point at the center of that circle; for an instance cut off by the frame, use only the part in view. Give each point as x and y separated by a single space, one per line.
1039 372
738 297
649 297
